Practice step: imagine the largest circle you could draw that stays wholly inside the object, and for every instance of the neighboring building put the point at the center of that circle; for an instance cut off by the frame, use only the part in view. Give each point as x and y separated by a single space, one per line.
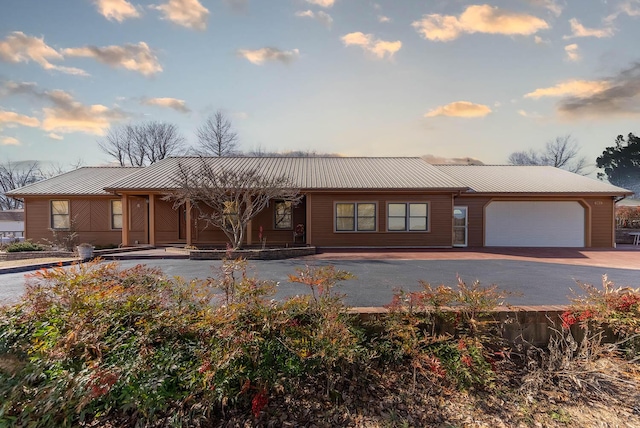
11 225
348 202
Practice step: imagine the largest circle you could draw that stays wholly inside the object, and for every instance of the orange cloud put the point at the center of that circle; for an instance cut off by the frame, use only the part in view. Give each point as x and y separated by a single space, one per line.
572 52
478 19
186 13
19 47
260 56
579 30
116 10
9 141
13 118
379 48
139 58
460 109
173 103
577 88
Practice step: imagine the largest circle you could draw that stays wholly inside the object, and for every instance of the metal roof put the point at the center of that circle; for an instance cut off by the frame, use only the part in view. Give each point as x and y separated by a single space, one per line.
83 181
527 179
305 172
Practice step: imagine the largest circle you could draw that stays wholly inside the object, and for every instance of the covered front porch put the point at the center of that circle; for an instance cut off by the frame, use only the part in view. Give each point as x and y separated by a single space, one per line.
148 219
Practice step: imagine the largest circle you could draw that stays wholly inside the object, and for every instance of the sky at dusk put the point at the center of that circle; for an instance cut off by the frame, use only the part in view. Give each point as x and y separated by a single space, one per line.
446 78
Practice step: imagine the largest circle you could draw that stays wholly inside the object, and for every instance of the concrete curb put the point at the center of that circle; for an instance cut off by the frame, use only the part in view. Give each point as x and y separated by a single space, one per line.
26 268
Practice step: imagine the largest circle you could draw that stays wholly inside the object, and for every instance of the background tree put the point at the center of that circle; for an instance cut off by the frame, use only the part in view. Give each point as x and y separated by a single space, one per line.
621 163
216 136
563 152
142 144
14 175
235 197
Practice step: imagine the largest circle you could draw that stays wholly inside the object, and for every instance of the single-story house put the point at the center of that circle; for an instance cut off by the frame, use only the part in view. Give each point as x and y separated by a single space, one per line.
388 202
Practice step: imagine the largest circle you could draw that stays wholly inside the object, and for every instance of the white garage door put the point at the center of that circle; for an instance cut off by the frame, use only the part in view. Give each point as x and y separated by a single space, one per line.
534 224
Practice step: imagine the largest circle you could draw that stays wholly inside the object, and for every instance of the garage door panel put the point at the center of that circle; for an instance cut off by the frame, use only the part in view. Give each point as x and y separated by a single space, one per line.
534 224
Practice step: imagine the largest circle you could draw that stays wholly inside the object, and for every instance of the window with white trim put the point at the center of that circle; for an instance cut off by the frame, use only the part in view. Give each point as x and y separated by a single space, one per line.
60 218
408 217
116 214
355 217
284 218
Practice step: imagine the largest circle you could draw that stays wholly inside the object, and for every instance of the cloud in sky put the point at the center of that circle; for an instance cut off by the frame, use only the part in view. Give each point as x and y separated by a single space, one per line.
116 10
379 48
173 103
579 30
19 47
551 5
186 13
478 19
619 97
572 52
460 109
260 56
383 19
9 141
579 88
322 3
12 118
320 16
135 57
55 136
65 114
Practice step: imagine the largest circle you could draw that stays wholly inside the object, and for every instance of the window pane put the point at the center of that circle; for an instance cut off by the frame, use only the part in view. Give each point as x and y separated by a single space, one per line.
117 221
397 223
366 210
344 223
397 210
417 223
116 207
366 223
60 207
60 222
283 215
418 210
345 210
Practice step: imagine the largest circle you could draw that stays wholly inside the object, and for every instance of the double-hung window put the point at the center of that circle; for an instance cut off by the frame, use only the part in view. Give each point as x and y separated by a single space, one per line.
284 218
408 217
355 217
116 214
60 218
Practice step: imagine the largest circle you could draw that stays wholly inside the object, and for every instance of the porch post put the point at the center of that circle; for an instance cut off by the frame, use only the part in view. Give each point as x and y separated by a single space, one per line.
188 223
307 207
152 219
125 220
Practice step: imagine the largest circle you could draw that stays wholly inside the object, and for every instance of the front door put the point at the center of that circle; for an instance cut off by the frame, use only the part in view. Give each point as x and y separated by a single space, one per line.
459 226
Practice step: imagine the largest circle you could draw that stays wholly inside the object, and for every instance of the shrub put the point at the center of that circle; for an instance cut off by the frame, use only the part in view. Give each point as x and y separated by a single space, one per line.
17 247
616 308
97 342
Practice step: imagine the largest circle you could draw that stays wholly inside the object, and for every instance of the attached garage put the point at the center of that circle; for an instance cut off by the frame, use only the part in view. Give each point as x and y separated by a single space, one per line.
534 224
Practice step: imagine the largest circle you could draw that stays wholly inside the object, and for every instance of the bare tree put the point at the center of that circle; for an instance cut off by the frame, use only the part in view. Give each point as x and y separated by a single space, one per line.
563 152
216 137
233 197
142 144
14 175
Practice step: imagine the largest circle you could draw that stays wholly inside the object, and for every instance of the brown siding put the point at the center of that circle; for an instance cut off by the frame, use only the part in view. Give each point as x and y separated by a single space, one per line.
266 219
440 221
207 234
602 221
166 220
90 217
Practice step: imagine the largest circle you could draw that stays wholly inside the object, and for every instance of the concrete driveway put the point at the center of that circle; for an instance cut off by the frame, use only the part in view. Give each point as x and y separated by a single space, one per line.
540 281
